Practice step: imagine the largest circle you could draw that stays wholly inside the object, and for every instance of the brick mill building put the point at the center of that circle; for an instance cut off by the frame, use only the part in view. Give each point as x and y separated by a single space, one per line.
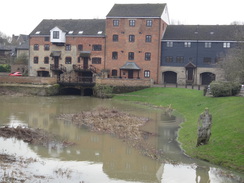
134 42
126 45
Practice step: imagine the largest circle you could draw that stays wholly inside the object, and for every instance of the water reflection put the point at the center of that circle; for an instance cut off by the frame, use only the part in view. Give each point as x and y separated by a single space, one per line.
110 158
202 175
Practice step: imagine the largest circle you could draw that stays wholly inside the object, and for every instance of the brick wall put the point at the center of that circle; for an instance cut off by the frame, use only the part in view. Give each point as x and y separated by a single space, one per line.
74 53
27 80
139 47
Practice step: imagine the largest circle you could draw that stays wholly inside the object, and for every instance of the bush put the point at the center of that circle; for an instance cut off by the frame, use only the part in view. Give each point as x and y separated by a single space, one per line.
223 89
103 91
5 68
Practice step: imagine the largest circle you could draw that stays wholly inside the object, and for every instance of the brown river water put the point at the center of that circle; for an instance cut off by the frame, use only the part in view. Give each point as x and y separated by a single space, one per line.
97 158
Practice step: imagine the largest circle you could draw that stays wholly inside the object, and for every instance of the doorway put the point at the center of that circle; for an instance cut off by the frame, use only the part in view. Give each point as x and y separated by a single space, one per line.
85 62
56 62
130 74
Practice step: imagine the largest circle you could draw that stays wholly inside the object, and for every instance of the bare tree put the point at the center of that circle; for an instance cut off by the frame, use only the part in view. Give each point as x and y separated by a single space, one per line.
4 39
233 62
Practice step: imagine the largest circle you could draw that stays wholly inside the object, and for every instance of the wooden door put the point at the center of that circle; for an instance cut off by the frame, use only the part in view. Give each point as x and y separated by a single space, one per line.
56 62
85 62
130 74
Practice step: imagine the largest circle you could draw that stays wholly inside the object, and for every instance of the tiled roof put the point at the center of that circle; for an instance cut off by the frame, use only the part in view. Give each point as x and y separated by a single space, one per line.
204 32
78 26
130 66
136 10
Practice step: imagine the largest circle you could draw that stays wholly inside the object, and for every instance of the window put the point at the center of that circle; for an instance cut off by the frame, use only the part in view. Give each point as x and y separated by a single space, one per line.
180 59
148 38
187 44
114 72
67 47
207 60
46 38
115 55
131 38
169 59
68 60
115 23
35 60
207 45
46 60
147 74
80 47
147 56
96 60
96 47
149 23
115 38
36 46
78 60
226 45
55 34
132 23
169 44
46 47
131 55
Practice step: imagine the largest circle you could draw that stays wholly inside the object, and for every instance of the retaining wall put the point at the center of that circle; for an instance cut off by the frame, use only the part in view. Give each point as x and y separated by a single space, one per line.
28 80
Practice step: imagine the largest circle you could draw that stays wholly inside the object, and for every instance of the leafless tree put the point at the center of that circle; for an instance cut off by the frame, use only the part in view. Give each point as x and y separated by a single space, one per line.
233 62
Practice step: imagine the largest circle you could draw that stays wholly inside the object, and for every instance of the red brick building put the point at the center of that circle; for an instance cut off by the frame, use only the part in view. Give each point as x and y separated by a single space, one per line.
125 45
133 42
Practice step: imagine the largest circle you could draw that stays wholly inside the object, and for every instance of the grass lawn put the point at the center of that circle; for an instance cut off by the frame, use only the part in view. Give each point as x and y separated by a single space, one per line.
226 145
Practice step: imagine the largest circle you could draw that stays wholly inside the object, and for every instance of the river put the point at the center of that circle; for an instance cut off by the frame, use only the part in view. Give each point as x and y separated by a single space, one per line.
98 158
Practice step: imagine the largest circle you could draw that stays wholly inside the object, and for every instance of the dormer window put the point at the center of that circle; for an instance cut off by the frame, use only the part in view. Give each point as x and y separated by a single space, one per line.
99 32
80 32
55 34
38 32
58 36
70 32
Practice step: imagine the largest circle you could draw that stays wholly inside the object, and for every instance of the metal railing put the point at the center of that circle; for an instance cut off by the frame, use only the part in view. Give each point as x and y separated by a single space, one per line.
75 80
60 67
78 67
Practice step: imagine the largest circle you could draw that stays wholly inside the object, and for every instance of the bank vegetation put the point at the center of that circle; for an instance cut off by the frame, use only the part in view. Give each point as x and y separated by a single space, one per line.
226 144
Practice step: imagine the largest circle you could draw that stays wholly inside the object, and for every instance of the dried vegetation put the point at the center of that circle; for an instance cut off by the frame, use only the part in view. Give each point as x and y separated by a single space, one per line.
119 124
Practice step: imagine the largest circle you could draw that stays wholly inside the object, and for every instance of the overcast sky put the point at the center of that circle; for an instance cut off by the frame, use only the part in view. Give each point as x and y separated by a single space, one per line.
22 16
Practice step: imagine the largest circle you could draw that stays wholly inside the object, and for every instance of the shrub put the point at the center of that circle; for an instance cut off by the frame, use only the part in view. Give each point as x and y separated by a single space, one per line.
223 89
103 91
5 68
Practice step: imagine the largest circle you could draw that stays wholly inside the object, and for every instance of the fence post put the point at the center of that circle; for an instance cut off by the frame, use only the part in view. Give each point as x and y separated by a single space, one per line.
164 84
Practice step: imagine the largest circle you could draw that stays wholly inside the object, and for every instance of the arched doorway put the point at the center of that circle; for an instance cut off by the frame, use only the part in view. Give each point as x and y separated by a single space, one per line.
88 92
207 78
170 77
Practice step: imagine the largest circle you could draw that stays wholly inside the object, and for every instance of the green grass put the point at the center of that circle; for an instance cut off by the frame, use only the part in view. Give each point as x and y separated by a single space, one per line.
226 145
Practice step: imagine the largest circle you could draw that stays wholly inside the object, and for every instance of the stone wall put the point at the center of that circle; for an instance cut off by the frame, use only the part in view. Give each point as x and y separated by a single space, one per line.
29 89
124 82
28 80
